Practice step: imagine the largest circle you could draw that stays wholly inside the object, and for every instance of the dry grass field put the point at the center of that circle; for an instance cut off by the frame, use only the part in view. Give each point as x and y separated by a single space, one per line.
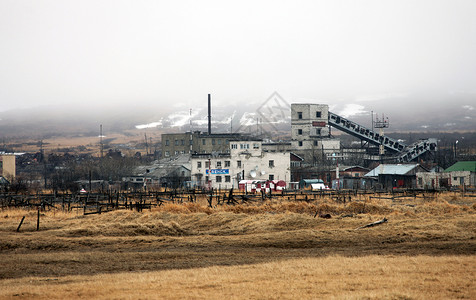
133 138
270 250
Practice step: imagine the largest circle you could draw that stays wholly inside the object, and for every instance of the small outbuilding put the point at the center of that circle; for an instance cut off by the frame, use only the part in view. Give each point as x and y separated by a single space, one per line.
462 173
304 183
396 175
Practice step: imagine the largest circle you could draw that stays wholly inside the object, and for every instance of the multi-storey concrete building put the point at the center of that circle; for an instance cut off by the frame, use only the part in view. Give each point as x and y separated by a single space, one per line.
174 144
310 133
245 160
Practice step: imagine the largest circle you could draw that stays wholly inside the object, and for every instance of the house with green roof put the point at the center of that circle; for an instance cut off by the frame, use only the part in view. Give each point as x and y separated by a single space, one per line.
462 173
463 166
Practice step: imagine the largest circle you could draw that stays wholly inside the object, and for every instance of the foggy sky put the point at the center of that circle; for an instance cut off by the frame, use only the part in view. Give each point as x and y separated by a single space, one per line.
92 53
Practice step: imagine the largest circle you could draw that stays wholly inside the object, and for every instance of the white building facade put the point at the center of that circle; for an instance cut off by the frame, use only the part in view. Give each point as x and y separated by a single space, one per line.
246 161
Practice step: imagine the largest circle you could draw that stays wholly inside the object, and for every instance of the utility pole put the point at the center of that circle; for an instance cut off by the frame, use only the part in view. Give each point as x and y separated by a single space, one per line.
191 133
43 160
381 124
336 157
100 141
456 144
146 145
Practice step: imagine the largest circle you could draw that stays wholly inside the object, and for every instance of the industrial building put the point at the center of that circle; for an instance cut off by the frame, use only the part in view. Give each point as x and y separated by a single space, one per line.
245 160
310 131
174 144
223 159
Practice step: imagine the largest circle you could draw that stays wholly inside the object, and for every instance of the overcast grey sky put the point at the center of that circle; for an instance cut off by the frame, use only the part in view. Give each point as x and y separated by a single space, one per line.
170 52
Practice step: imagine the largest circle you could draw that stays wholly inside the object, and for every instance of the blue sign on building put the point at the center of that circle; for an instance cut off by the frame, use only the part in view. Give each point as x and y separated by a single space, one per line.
218 171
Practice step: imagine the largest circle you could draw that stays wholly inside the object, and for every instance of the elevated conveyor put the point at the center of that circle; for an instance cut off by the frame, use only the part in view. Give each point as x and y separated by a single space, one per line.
416 149
364 133
403 152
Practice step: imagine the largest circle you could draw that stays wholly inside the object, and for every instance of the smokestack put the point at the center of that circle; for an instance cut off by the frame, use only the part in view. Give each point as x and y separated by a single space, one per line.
209 114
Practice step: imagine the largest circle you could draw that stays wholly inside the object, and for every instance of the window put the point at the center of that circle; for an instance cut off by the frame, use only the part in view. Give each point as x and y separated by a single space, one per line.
300 131
299 115
207 179
300 143
199 164
176 142
227 163
191 142
315 143
182 152
182 142
166 142
176 152
318 114
219 142
271 177
318 131
227 178
207 164
167 153
271 163
227 142
238 163
204 142
234 146
244 146
218 178
255 146
218 164
213 141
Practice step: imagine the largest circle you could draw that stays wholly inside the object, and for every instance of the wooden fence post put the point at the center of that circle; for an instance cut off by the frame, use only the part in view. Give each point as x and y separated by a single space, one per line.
38 221
21 222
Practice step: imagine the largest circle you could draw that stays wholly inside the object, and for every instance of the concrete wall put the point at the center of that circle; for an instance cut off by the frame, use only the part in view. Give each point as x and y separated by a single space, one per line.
432 180
305 122
460 178
310 131
8 166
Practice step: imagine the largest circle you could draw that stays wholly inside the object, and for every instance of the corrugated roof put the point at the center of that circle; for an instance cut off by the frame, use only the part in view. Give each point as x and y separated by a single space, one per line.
397 169
310 181
463 166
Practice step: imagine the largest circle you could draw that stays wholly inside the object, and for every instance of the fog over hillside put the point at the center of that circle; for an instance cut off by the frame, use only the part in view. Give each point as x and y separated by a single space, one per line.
453 112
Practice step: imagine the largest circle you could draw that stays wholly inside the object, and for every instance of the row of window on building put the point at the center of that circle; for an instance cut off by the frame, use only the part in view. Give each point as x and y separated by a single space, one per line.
227 178
318 114
204 142
218 164
244 146
219 178
300 143
167 153
317 131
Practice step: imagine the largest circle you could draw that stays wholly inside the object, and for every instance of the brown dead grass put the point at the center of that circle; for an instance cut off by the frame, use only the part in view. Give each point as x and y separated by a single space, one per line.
331 277
274 249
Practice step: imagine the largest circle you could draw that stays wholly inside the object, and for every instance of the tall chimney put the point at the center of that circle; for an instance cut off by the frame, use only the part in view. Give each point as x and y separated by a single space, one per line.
209 114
